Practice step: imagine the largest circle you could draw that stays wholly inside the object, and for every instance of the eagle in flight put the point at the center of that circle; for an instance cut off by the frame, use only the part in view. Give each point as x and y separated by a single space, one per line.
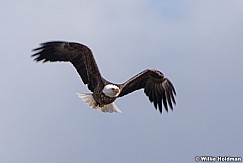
156 86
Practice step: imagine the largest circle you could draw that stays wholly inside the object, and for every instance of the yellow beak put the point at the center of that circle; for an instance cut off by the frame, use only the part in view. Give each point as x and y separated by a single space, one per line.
117 90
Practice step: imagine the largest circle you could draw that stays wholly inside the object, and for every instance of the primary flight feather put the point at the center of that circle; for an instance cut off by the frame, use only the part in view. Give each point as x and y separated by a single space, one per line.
158 88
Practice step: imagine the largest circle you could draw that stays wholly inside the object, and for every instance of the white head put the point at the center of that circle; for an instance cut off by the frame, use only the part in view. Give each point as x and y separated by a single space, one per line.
111 90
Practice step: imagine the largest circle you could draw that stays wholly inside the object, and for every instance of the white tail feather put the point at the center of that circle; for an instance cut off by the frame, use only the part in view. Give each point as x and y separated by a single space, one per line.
89 100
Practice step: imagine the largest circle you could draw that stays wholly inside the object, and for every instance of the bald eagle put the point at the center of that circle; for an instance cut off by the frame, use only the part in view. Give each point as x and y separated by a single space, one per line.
156 86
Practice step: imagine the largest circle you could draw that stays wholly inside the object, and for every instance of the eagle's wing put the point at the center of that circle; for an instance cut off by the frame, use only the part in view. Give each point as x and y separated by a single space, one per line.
79 55
158 88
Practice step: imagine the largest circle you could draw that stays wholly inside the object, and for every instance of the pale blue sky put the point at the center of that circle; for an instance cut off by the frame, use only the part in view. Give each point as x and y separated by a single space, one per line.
196 44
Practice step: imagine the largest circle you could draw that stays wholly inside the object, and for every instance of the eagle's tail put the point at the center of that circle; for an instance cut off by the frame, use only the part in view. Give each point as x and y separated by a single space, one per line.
89 100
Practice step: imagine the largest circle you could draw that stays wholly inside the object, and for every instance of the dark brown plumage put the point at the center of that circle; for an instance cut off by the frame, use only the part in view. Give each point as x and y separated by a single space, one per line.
158 88
79 55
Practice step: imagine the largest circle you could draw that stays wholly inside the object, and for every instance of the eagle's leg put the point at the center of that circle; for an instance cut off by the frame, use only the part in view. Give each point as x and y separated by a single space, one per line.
99 105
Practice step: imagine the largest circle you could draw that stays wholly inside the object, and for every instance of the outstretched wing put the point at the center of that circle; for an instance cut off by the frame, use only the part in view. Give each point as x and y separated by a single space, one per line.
158 88
79 55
